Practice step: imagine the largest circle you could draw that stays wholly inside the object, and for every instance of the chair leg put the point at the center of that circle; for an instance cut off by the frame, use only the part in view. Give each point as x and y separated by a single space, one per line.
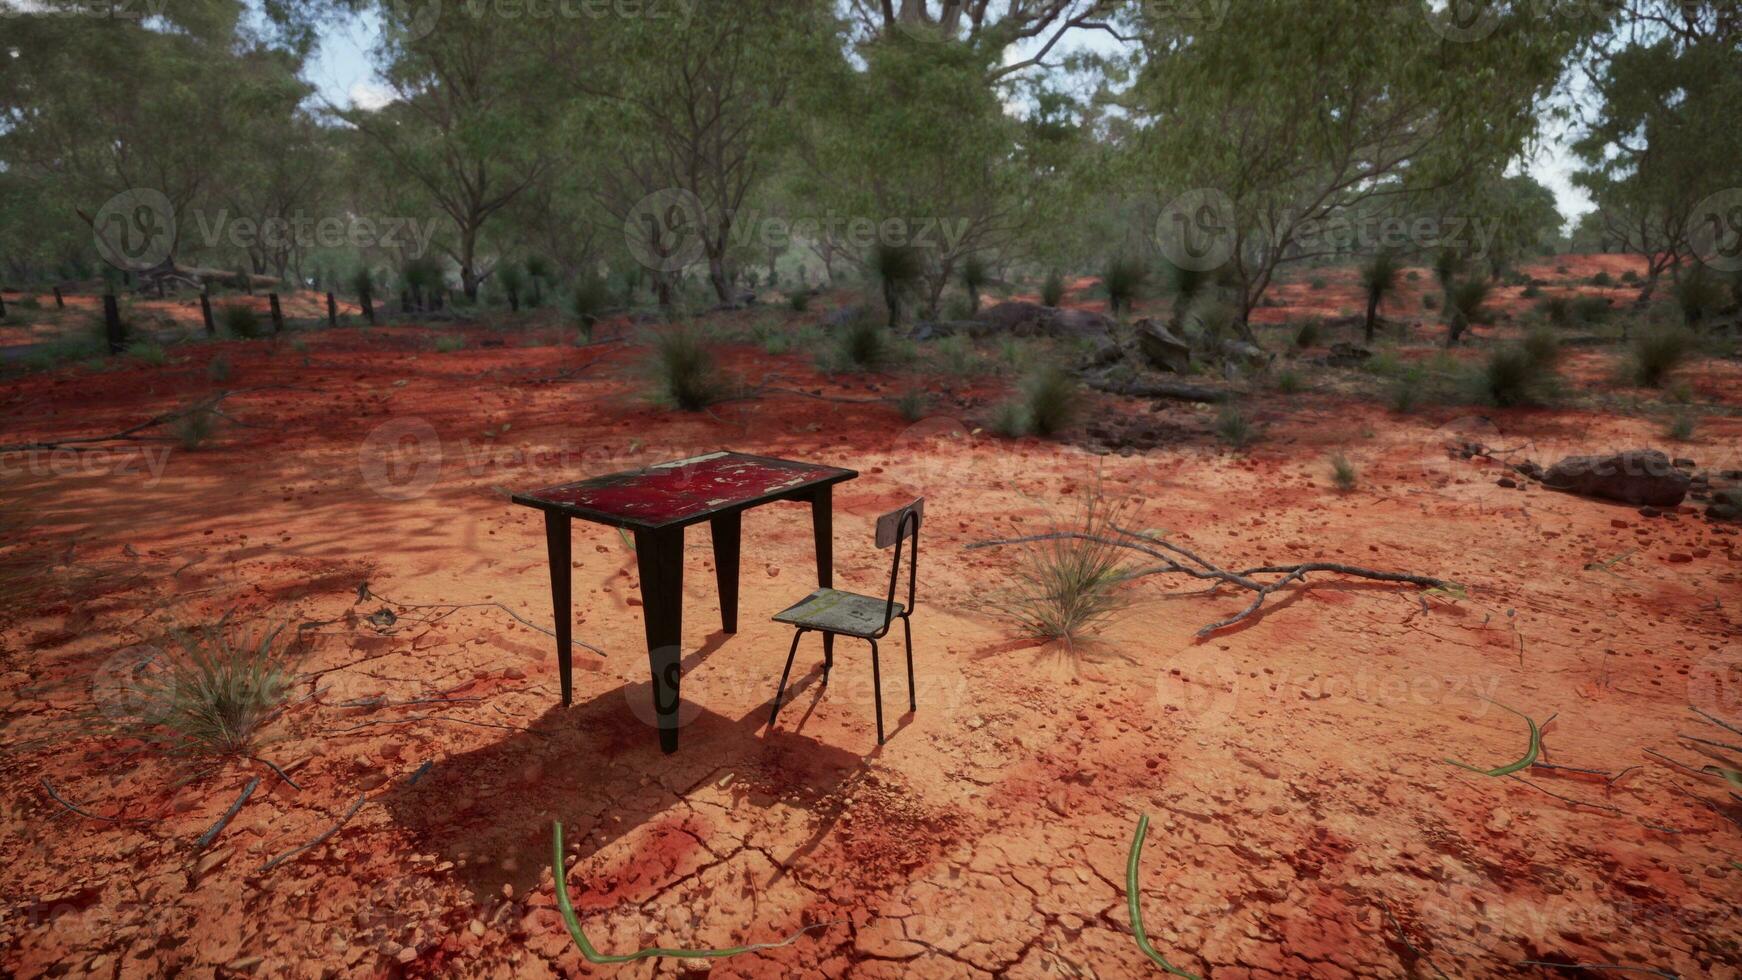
781 690
877 690
907 630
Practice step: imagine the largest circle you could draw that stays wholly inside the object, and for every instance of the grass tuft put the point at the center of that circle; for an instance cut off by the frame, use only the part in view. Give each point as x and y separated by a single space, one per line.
685 372
1068 588
1657 353
1343 472
206 694
1235 427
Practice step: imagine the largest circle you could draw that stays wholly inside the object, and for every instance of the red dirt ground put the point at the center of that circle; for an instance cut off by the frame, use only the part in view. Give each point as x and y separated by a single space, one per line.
1304 821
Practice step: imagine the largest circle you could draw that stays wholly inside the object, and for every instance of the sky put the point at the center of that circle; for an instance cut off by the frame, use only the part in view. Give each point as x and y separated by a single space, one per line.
342 72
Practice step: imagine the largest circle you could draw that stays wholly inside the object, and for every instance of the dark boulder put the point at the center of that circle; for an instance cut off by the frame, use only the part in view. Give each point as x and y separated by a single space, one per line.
1162 348
1637 476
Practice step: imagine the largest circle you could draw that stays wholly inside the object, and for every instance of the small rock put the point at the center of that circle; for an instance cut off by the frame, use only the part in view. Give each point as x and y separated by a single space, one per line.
1507 482
1650 512
1679 558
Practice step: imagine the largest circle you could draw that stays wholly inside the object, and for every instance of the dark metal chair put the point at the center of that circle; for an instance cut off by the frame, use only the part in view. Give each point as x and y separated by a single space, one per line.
833 612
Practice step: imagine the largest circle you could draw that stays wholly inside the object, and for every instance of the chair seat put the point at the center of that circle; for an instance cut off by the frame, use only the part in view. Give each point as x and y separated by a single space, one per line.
835 611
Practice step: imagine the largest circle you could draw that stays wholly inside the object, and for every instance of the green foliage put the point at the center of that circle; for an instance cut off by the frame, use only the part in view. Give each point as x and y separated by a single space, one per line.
1052 291
449 343
1603 278
799 300
205 694
975 275
240 320
1051 399
1123 279
1542 346
862 344
955 355
1234 427
588 300
193 427
1306 334
898 269
1288 382
1512 375
684 370
1681 426
1405 390
148 352
1699 295
1318 283
1343 472
1657 353
218 369
913 404
1070 587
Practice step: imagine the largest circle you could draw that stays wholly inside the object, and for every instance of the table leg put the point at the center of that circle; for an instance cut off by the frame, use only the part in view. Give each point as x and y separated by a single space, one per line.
726 530
556 542
823 527
659 555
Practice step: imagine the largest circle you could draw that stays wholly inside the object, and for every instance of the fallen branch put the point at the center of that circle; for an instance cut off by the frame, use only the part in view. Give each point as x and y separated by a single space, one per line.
293 852
1170 555
131 433
81 811
224 821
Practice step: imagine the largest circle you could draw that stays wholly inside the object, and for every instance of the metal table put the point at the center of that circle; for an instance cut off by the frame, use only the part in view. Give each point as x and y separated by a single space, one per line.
656 504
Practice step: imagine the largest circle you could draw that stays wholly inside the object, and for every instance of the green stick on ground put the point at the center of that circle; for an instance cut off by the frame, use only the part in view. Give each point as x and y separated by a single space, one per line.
594 956
1530 754
1131 902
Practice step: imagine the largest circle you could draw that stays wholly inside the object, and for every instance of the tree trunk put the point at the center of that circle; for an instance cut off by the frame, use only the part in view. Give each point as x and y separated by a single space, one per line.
719 278
1372 315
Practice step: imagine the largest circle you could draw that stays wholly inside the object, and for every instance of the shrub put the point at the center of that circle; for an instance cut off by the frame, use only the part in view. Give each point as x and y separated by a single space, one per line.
1557 310
449 343
195 426
1430 302
1543 347
1413 275
218 369
1698 294
684 370
1602 279
1067 588
1406 392
148 351
1051 398
1288 382
1123 280
912 404
1681 426
1656 353
1307 334
799 300
588 300
1590 310
1343 472
1531 291
1235 428
240 320
955 355
897 268
1512 376
863 345
1009 420
975 275
1052 292
205 694
511 279
1629 276
1318 283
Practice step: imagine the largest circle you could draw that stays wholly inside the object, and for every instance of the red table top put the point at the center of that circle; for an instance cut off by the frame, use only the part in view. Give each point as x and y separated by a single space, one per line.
683 491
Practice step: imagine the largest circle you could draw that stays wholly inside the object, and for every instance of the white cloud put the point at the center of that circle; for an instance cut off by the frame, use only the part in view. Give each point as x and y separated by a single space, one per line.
370 95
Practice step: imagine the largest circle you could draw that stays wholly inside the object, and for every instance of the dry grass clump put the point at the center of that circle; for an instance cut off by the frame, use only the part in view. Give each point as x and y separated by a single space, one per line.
206 693
1069 588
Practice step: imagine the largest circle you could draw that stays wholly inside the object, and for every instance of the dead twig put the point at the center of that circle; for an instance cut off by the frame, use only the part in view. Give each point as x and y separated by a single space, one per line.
224 821
1170 555
268 763
131 433
1403 938
293 852
81 811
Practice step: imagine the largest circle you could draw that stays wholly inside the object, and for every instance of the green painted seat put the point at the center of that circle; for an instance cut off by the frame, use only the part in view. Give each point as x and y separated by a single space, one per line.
835 611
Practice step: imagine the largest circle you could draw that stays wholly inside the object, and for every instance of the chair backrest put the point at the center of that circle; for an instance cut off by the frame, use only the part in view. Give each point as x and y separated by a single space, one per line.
893 529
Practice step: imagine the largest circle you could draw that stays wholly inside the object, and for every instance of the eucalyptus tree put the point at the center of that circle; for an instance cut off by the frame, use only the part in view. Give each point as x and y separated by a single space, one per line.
1285 115
474 97
690 115
96 105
